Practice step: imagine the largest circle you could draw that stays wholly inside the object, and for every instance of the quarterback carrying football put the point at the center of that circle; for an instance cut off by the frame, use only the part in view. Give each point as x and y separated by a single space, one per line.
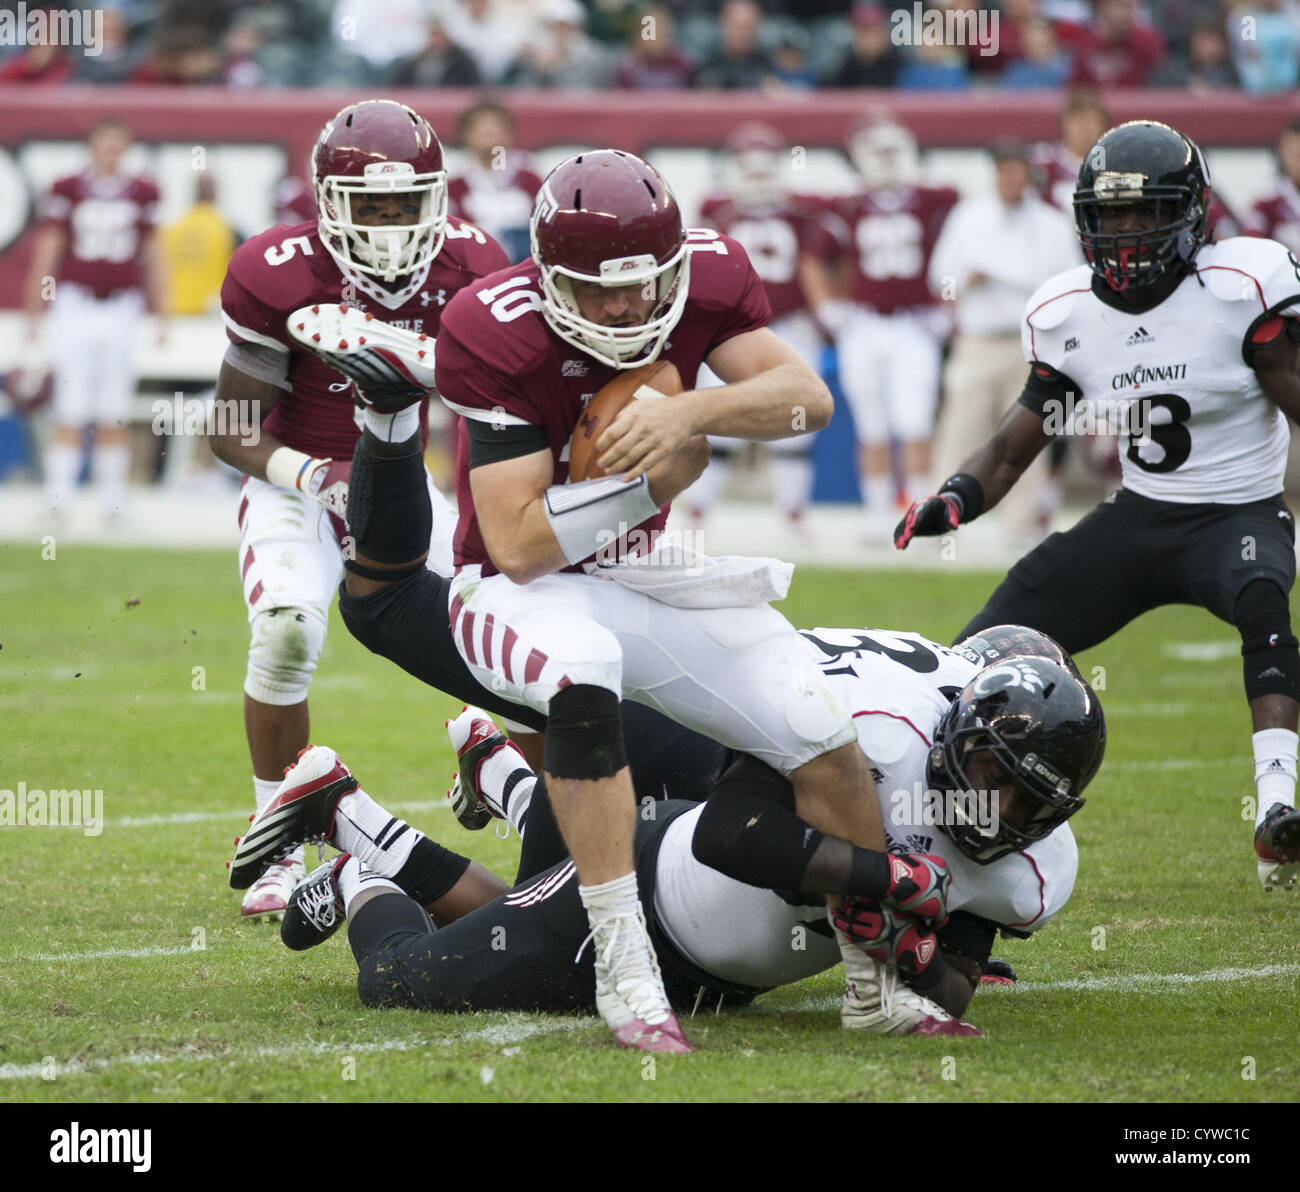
1197 346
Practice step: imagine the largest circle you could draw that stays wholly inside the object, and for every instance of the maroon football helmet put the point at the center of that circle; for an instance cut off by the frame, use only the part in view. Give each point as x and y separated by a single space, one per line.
608 218
379 148
754 168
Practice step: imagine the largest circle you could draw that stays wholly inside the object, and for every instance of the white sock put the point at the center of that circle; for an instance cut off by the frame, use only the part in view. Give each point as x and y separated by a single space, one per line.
1275 768
879 492
792 477
110 467
610 898
263 790
61 463
354 878
380 841
507 782
393 428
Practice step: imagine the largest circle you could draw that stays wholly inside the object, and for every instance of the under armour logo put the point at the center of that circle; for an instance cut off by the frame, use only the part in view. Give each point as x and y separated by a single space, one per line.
440 298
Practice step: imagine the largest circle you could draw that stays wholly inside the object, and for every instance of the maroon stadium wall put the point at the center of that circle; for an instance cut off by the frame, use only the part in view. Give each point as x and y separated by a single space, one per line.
627 120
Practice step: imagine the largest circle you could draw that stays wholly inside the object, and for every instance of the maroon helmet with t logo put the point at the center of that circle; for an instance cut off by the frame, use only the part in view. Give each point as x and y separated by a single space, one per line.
609 219
379 149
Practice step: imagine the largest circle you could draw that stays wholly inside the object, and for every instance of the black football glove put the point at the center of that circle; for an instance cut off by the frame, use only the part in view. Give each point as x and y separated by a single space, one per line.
932 515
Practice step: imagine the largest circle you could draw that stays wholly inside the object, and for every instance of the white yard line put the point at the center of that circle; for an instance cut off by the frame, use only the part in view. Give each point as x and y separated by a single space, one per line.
501 1034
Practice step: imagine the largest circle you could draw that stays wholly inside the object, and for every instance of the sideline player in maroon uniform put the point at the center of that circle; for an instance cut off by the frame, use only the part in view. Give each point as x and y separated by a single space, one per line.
778 230
496 186
1277 215
383 243
889 334
97 241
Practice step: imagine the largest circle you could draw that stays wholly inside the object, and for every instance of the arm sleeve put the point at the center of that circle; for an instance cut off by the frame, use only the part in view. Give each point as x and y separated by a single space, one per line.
260 363
490 444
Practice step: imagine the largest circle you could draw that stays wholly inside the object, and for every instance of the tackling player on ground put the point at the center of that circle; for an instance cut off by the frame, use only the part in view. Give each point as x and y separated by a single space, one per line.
1214 329
382 242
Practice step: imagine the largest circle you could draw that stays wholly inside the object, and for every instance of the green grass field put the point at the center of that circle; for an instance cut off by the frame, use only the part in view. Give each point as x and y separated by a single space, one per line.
126 974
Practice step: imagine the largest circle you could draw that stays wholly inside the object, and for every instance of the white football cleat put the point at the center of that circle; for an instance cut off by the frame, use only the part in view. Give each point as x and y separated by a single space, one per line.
391 367
876 1000
630 993
269 895
476 738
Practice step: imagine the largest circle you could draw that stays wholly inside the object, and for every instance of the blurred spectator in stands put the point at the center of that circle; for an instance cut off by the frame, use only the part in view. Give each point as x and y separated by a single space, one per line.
873 60
651 61
790 59
181 55
1012 17
1277 214
248 34
38 64
740 62
1114 49
1043 64
442 63
295 201
934 67
1265 40
116 60
380 32
1083 120
1207 64
1177 18
495 186
486 35
561 54
198 247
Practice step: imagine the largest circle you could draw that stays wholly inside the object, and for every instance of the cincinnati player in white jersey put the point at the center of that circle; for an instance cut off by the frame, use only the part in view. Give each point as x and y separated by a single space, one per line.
97 246
1192 350
780 231
727 935
889 333
384 243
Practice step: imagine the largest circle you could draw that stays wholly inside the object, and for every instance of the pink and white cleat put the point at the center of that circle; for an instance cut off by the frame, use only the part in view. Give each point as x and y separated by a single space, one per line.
302 810
269 895
629 987
391 367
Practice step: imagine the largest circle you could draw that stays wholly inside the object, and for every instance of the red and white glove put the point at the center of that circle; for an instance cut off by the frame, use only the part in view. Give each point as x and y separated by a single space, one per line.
886 935
325 481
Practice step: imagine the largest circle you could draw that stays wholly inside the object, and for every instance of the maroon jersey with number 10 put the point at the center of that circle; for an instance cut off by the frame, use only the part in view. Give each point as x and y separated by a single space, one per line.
500 363
276 273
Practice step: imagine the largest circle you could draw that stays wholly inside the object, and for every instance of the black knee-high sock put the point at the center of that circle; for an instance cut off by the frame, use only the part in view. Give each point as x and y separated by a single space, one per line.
384 921
430 871
390 516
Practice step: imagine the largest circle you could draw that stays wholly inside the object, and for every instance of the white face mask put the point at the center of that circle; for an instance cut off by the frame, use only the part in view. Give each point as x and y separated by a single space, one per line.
388 251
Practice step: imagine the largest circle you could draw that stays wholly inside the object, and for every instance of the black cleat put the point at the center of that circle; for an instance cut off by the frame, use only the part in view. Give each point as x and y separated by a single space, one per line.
315 911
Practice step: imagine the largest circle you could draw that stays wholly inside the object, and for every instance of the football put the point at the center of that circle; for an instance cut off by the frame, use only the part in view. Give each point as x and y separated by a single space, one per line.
660 379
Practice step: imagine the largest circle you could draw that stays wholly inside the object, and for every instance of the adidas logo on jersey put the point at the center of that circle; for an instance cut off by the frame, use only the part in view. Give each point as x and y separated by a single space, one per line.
1140 336
1072 343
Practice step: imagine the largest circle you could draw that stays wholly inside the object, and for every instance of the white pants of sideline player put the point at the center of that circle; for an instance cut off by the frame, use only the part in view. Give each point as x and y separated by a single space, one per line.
981 381
741 675
291 559
91 343
889 371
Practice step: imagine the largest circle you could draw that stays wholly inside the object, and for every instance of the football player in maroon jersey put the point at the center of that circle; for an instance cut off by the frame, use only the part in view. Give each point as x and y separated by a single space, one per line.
97 258
382 242
889 332
496 186
778 230
1277 215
